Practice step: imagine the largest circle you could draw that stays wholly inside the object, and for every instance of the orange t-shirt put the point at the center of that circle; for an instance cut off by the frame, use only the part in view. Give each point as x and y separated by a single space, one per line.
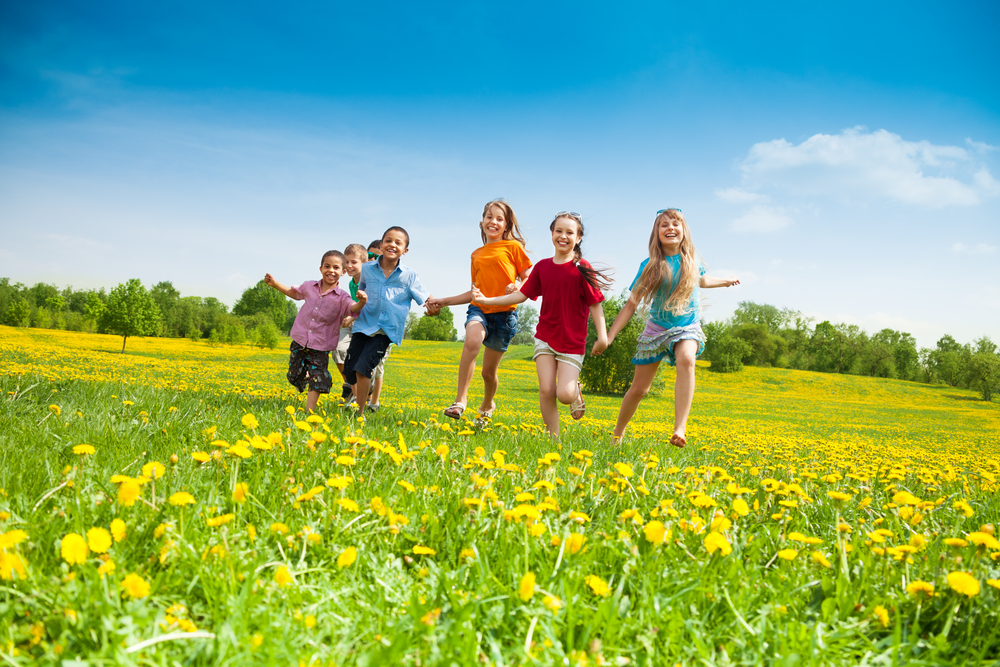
496 265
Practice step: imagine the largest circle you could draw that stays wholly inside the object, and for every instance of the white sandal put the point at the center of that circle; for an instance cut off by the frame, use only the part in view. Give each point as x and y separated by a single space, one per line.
455 410
578 405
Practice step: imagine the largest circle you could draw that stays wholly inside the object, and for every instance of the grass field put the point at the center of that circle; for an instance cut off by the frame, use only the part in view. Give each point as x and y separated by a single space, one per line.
174 505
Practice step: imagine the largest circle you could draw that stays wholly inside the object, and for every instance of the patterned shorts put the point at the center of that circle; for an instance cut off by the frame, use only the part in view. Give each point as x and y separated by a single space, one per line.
656 344
308 367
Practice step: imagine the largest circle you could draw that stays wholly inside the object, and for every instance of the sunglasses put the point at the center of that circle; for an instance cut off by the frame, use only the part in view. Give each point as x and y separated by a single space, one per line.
664 210
372 255
571 214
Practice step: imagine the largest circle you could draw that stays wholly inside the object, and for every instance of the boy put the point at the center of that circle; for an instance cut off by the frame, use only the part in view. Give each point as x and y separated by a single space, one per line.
354 256
317 326
392 286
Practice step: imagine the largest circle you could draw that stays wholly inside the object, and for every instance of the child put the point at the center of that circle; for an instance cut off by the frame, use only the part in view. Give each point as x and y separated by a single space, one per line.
668 282
497 267
571 290
374 252
391 286
317 326
354 256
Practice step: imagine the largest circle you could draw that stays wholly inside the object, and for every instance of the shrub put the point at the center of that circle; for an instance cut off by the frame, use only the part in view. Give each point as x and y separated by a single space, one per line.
612 371
729 353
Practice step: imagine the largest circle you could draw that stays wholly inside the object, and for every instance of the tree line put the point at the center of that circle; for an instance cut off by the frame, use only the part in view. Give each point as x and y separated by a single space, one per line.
765 335
259 317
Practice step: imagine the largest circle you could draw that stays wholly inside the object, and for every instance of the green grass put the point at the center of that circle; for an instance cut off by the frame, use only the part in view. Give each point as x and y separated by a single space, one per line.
667 603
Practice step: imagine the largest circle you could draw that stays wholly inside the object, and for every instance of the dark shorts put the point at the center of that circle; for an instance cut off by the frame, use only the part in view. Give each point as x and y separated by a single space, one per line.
500 327
364 354
308 367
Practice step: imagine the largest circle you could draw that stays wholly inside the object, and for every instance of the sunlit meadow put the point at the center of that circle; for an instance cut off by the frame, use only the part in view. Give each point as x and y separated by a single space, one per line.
175 505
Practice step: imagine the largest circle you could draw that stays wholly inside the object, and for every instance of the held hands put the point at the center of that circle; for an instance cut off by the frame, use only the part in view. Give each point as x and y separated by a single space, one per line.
510 288
599 346
432 306
348 321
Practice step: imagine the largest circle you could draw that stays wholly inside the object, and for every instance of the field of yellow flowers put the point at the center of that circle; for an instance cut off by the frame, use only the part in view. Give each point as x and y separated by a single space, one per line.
175 505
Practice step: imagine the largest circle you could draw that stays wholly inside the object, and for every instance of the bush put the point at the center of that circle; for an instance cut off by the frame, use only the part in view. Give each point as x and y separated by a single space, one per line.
265 334
435 327
527 319
729 353
612 371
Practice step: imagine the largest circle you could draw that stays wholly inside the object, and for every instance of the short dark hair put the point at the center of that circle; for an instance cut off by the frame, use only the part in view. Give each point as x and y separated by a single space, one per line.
396 228
333 253
377 243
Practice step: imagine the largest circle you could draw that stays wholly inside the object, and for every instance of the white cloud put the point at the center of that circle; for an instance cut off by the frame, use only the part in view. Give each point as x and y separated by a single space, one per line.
979 146
763 219
740 196
978 249
857 164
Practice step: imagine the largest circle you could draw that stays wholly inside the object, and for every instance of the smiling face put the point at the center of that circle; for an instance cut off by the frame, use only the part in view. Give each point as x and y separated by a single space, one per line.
565 236
494 224
352 265
331 270
670 231
395 244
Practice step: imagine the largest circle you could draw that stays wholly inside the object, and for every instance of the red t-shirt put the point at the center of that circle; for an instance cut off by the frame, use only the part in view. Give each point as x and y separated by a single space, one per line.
566 301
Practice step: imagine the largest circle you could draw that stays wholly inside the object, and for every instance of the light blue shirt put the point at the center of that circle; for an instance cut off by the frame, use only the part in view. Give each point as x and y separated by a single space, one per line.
388 300
657 313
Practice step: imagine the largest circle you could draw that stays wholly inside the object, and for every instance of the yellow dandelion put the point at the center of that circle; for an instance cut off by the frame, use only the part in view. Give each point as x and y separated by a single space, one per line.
421 550
99 540
118 530
250 422
347 557
240 492
882 615
282 576
715 541
135 586
83 450
200 457
655 532
181 498
920 589
788 554
526 589
963 583
575 542
74 549
598 585
153 470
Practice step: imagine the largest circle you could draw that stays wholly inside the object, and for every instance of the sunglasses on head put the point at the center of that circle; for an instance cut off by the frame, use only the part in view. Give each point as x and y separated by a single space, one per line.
571 214
664 210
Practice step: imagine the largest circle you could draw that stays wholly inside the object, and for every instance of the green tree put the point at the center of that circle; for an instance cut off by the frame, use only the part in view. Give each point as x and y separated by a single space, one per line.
527 318
612 371
435 327
411 321
166 297
263 299
130 311
729 354
19 313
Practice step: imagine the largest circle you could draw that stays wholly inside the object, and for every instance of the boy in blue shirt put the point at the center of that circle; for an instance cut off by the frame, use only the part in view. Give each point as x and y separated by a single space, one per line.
390 286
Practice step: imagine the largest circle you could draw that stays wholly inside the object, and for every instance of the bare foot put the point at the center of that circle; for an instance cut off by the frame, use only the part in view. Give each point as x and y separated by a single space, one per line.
677 440
616 439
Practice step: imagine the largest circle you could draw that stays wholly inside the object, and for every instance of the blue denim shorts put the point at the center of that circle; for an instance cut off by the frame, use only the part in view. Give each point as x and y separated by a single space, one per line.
500 327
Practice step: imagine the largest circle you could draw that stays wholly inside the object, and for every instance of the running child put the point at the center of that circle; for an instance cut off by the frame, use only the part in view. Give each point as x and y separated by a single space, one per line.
497 269
668 282
374 252
317 326
354 256
571 291
390 286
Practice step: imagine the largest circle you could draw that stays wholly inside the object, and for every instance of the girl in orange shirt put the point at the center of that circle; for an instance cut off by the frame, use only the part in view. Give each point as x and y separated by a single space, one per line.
498 267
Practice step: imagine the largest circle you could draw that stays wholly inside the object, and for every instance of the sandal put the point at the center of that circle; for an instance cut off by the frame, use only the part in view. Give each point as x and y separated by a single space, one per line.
484 418
578 405
455 410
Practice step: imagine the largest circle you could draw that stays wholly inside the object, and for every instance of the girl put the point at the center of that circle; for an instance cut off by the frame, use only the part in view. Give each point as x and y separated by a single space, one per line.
571 290
668 283
497 267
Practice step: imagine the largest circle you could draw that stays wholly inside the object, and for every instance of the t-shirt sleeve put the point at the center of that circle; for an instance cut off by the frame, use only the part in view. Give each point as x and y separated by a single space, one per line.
639 273
591 294
362 281
520 257
532 287
417 291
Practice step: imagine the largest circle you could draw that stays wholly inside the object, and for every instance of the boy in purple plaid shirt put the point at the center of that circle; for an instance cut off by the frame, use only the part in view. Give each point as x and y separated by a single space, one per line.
317 326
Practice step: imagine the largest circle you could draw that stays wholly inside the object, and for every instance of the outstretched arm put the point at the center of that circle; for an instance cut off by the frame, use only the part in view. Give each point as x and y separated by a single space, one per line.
624 316
597 314
710 281
509 299
290 292
457 300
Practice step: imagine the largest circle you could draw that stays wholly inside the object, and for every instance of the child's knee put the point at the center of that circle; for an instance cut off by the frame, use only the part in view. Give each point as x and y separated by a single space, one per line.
567 393
548 393
637 391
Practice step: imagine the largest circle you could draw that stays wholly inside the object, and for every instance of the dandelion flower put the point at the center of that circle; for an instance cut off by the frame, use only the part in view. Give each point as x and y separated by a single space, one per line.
11 564
74 549
135 586
345 460
250 422
820 559
12 538
715 541
882 615
956 542
552 603
181 498
788 554
655 532
200 457
526 589
963 583
598 585
83 450
153 470
118 530
740 507
347 557
624 469
99 540
240 451
575 542
920 588
128 491
282 577
421 550
981 539
220 520
240 492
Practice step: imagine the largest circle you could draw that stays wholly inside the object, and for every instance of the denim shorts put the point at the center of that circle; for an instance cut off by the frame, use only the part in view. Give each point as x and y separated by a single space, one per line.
500 327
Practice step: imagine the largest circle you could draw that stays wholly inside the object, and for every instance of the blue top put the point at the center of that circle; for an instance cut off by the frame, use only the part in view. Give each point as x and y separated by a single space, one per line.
388 300
662 317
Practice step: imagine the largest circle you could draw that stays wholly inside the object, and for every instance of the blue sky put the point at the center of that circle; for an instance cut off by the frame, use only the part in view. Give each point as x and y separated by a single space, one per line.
841 160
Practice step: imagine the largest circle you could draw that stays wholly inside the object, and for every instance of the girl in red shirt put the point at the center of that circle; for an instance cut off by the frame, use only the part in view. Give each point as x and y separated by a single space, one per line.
571 292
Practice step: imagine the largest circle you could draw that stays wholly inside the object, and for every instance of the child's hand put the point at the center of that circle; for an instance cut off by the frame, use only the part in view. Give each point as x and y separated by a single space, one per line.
362 297
599 346
268 279
511 288
732 280
478 297
432 307
348 321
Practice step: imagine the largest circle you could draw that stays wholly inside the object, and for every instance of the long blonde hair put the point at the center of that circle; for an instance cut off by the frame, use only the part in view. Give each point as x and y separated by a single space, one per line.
511 229
657 271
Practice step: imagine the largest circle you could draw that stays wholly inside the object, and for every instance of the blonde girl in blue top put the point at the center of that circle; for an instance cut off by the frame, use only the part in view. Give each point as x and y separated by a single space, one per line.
668 282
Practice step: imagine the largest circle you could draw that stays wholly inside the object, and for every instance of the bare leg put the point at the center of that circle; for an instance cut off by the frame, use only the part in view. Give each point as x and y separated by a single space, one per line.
684 351
545 366
312 398
361 393
491 362
641 382
568 389
376 390
475 334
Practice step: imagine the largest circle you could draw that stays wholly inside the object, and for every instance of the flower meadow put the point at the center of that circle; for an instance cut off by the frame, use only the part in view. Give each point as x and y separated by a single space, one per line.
175 505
